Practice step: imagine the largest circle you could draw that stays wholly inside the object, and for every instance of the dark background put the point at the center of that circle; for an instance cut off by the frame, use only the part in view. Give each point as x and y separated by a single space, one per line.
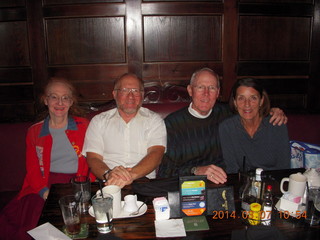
163 42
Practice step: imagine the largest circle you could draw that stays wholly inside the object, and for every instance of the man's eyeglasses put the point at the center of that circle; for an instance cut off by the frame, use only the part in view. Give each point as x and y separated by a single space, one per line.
202 88
125 91
54 98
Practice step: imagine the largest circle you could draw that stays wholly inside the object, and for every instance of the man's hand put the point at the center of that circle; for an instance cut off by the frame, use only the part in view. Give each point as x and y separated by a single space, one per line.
214 173
120 176
278 117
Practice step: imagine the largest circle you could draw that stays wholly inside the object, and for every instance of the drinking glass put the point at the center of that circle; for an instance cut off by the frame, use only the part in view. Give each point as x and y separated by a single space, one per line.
313 206
71 214
82 191
102 207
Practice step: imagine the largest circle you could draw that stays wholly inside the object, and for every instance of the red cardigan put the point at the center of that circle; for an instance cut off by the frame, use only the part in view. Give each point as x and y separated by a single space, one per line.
38 153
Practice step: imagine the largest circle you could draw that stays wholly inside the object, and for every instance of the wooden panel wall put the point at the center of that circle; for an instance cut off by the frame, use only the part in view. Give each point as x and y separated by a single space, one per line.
92 42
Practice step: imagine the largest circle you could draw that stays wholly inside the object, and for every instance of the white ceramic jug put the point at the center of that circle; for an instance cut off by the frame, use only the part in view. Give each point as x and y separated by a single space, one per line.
313 177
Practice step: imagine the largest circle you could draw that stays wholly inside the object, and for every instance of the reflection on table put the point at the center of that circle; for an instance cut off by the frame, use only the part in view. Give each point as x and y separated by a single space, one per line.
221 225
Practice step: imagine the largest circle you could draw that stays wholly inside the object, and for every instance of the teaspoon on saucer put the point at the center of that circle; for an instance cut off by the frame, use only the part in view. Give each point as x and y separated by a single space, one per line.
136 212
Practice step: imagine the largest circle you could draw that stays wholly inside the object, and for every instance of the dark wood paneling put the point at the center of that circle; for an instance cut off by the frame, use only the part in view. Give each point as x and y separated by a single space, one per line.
230 50
182 0
163 42
285 85
314 86
17 75
134 36
277 9
86 40
16 93
57 2
182 38
274 38
93 83
277 1
12 3
178 8
86 10
273 68
89 73
37 48
175 72
289 102
95 91
13 14
14 44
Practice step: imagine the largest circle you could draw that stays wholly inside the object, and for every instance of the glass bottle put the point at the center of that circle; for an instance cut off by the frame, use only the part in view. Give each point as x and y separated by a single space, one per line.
249 194
267 207
258 184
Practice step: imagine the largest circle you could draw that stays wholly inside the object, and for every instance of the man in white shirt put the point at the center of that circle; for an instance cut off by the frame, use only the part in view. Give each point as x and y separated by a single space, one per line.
127 142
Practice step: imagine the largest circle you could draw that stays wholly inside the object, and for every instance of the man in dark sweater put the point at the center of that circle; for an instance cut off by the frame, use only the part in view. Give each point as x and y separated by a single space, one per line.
193 146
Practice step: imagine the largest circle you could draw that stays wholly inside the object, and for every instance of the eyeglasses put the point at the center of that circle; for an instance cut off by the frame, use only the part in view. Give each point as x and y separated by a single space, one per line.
125 91
202 88
54 98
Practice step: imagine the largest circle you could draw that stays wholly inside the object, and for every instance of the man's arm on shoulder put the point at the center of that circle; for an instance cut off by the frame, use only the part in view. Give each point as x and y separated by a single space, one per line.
278 117
149 163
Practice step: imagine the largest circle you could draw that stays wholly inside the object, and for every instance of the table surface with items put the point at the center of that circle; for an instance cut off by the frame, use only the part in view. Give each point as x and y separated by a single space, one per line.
223 224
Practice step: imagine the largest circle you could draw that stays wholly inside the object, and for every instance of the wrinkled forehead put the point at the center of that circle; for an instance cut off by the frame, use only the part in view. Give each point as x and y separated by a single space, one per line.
129 82
206 78
58 88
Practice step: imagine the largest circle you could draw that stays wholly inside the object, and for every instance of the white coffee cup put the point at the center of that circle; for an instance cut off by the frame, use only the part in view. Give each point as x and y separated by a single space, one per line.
297 184
130 203
115 191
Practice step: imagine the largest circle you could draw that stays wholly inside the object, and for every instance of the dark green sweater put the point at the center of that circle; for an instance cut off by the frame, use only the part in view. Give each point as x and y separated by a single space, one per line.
192 141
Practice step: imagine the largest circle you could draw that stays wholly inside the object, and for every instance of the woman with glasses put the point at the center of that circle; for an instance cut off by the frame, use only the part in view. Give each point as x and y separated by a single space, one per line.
248 139
53 155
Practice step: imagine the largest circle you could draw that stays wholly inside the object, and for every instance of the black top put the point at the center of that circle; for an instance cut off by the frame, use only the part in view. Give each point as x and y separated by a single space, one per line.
192 141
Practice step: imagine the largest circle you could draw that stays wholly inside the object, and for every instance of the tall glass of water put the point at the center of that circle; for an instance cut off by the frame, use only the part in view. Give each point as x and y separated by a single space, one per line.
103 212
313 206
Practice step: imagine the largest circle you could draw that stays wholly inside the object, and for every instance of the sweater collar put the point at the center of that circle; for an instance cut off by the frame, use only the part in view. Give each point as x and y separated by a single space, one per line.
72 125
196 114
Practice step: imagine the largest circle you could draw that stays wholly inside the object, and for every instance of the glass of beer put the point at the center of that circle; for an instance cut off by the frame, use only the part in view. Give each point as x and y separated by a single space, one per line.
71 214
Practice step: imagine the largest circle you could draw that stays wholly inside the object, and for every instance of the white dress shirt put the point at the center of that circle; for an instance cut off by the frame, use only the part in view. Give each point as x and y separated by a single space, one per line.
122 143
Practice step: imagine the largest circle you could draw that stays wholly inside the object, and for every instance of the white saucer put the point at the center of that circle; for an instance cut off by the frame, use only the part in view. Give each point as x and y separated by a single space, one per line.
125 214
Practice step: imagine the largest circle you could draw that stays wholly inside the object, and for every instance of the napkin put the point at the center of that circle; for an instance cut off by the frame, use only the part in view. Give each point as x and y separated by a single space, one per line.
170 228
47 231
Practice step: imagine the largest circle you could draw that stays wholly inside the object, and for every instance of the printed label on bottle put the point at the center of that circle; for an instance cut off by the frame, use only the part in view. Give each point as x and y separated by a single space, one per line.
266 215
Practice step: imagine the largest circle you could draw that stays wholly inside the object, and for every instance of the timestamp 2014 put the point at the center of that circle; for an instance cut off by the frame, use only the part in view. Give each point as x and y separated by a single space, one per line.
263 214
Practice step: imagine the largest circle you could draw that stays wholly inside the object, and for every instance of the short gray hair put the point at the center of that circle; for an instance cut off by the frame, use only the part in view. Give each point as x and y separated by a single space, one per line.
209 70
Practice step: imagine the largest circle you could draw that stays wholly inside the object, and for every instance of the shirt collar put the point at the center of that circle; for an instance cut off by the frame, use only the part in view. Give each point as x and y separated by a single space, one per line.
72 125
141 113
194 113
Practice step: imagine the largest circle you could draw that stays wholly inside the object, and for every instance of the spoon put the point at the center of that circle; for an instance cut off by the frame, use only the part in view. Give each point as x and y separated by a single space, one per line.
136 212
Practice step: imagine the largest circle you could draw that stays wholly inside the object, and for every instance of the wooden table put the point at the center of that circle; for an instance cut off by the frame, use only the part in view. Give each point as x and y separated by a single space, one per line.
142 227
